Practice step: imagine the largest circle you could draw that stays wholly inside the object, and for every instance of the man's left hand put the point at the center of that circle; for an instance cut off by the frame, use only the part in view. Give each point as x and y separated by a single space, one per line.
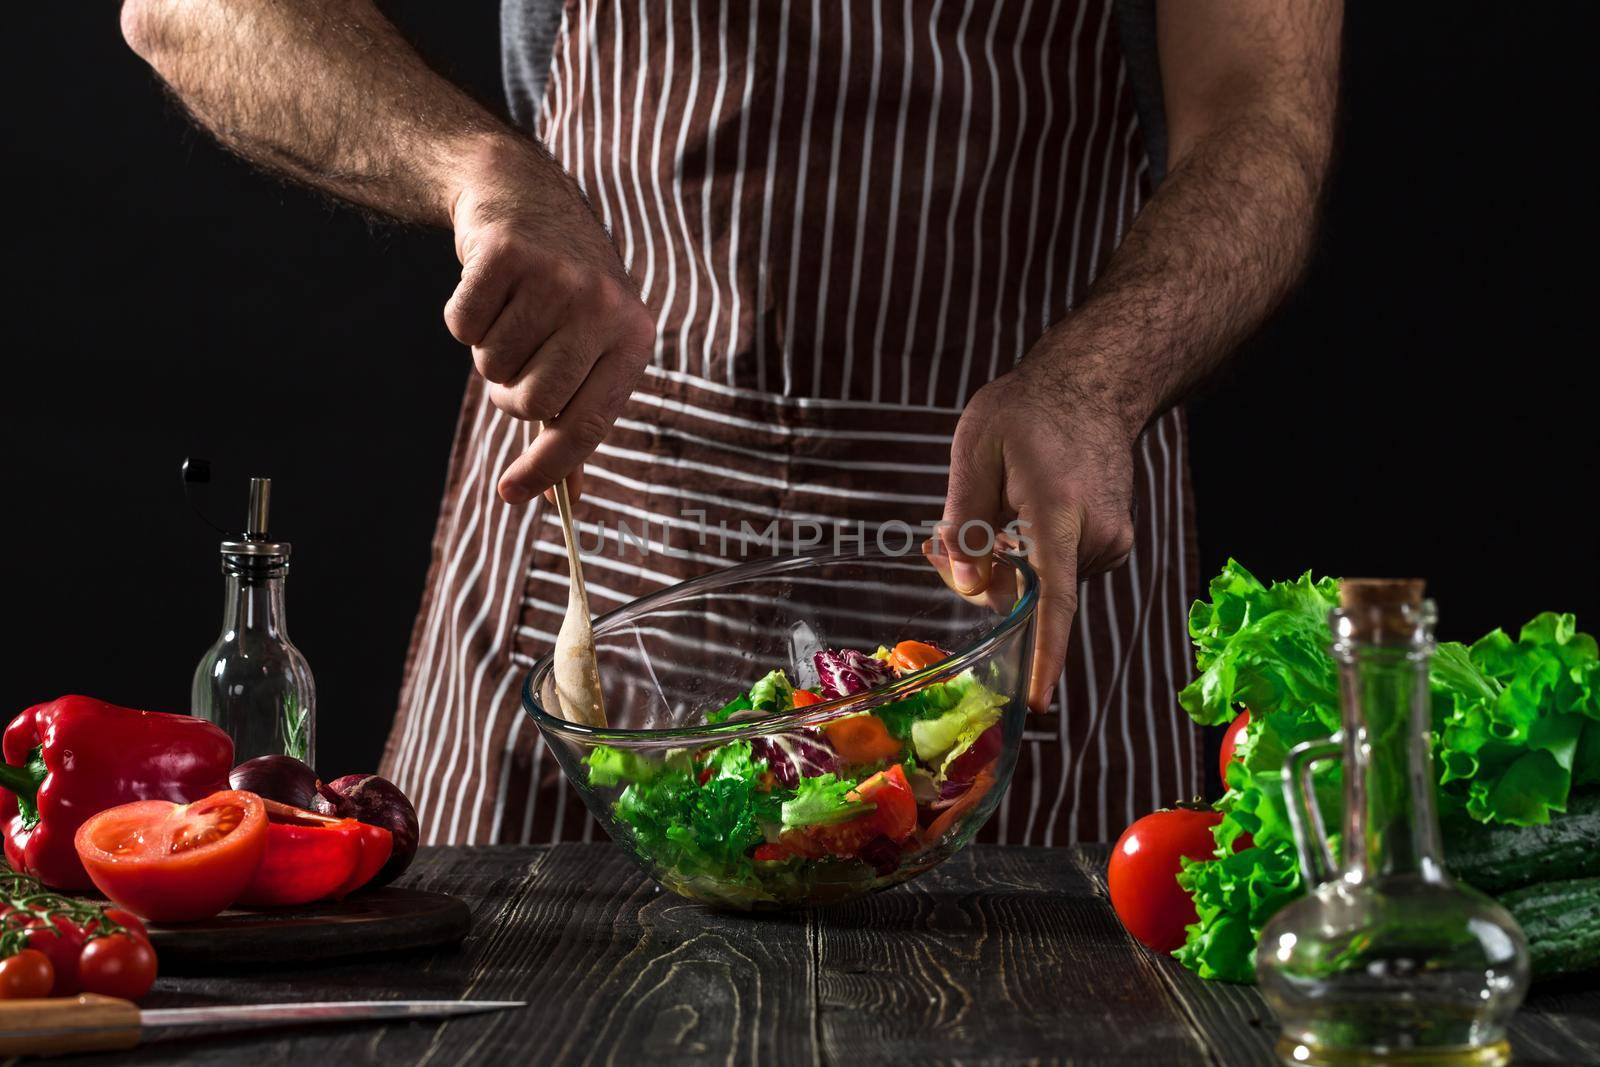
1043 445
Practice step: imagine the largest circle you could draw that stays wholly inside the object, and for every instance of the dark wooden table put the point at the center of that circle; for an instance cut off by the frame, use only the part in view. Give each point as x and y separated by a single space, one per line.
1003 955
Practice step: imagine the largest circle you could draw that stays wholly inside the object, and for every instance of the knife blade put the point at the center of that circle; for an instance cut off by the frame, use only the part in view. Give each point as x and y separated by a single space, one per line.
90 1022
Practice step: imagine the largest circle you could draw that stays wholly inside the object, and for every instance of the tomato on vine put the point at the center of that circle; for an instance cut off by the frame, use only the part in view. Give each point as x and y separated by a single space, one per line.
26 975
118 965
85 947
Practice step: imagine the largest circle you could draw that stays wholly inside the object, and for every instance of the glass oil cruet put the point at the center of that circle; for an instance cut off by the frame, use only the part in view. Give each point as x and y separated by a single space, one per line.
253 682
1386 960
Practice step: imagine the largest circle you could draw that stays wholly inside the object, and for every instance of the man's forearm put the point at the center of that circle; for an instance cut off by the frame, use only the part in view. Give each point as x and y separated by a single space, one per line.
325 91
1212 253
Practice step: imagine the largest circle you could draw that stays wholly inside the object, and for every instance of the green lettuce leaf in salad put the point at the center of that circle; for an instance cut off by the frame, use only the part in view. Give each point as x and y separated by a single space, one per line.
773 694
977 708
1515 726
610 766
728 710
929 702
822 800
699 830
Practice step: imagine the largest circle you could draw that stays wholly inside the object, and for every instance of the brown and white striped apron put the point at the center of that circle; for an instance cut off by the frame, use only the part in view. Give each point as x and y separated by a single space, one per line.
846 217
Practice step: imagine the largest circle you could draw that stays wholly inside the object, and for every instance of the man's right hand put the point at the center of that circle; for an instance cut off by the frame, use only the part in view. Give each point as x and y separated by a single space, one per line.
556 326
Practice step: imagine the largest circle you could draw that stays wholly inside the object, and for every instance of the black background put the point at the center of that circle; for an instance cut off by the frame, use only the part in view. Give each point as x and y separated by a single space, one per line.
1425 404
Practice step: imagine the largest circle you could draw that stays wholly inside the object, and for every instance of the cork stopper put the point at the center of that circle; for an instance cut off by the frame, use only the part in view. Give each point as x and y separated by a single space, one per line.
1355 593
1389 612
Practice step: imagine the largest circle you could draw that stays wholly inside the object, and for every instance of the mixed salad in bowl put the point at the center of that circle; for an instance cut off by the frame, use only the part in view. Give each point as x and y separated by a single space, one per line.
821 810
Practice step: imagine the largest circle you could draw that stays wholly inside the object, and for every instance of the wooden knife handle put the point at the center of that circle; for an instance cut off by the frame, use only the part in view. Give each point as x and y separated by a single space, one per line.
85 1023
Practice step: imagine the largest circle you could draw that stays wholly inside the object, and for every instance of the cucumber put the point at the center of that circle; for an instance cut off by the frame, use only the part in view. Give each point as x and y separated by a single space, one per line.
1497 858
1562 923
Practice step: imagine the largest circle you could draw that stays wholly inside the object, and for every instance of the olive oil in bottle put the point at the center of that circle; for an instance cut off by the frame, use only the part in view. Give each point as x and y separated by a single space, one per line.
1386 960
253 682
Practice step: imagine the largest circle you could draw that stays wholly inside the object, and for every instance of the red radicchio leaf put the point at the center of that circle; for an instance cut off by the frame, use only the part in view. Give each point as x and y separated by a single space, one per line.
847 671
796 754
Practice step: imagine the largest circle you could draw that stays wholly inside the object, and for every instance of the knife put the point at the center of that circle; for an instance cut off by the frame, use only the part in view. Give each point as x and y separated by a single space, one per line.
90 1023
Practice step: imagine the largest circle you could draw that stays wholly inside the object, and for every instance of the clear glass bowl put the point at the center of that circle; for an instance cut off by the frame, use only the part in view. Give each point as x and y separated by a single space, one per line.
668 660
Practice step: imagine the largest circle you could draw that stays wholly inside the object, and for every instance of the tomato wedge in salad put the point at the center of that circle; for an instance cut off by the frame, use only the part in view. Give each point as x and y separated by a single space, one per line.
894 816
175 862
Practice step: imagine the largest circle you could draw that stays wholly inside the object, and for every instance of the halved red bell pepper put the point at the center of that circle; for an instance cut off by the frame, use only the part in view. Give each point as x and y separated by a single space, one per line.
74 757
313 857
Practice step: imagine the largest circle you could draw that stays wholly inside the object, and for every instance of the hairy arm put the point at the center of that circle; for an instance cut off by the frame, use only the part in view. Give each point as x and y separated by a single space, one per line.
1250 94
328 93
1250 91
324 92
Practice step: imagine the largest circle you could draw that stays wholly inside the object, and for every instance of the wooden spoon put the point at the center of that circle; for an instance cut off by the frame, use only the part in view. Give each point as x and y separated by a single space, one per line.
577 675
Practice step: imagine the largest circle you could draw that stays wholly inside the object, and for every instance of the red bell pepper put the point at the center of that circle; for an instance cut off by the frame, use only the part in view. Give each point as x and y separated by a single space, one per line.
313 857
74 757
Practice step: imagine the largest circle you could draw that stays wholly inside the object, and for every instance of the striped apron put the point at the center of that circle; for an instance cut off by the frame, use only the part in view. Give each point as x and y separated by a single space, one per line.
846 218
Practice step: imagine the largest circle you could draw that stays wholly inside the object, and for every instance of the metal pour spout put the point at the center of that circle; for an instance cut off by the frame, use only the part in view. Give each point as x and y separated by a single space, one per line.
255 523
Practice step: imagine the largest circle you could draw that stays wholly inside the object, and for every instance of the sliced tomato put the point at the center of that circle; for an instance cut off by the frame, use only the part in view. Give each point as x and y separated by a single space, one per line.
909 656
862 739
176 862
894 815
804 698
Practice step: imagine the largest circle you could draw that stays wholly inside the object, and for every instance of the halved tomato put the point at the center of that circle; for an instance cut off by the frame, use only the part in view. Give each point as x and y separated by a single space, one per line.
804 698
175 862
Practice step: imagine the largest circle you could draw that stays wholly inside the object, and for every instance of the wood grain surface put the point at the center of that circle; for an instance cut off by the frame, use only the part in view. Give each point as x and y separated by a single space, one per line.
1001 956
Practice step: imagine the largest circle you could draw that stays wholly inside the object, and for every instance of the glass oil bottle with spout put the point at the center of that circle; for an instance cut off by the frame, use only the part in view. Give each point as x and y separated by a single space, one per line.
1386 960
253 682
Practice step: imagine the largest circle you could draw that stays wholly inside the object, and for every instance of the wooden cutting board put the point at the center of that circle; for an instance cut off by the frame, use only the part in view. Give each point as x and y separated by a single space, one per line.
383 920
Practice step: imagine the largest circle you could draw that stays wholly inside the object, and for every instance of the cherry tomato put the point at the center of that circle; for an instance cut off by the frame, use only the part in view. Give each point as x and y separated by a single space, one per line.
909 656
118 965
28 975
1143 874
128 919
176 862
804 698
1230 742
61 941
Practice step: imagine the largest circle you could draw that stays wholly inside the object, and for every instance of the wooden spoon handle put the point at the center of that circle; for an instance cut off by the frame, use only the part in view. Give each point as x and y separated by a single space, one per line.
577 676
577 593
